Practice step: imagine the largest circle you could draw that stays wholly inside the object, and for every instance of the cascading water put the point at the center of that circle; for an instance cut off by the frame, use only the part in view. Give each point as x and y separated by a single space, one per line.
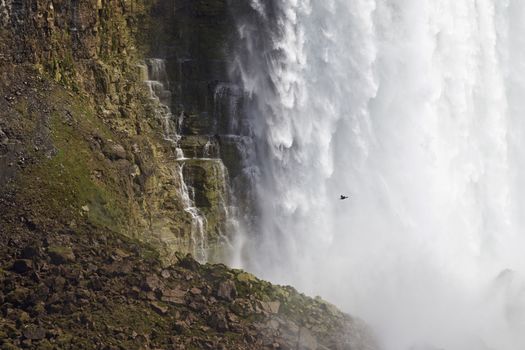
414 108
156 79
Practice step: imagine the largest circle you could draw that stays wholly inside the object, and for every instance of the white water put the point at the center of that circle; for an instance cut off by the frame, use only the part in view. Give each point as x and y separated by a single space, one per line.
156 78
157 82
416 109
198 235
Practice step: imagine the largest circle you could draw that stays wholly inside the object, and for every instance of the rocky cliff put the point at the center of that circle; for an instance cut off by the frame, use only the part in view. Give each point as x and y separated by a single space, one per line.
116 158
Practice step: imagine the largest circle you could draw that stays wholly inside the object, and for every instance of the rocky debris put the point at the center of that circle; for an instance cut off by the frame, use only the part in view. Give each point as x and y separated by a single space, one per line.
113 294
175 296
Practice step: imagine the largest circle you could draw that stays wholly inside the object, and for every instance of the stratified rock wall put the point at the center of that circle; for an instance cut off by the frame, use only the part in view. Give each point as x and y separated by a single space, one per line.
73 97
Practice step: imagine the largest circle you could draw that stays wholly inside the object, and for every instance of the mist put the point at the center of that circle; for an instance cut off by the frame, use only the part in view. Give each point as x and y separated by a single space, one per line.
413 108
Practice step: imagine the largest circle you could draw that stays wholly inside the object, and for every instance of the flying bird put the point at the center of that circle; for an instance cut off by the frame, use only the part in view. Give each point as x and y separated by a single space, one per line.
343 197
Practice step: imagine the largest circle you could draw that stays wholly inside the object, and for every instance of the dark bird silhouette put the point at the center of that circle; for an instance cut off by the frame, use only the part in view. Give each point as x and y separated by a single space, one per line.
343 197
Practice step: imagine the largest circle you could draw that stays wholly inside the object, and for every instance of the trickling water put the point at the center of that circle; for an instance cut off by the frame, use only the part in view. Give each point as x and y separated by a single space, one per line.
156 78
198 222
157 82
415 109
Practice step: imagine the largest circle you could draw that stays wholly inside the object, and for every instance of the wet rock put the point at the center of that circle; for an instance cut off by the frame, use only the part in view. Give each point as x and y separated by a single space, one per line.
227 291
61 255
22 266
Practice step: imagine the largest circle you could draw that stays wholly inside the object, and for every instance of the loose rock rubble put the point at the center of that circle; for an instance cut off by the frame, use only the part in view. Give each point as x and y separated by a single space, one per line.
86 290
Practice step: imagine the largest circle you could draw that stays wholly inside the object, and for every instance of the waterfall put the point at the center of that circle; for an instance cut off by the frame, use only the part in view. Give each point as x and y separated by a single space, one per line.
156 78
414 108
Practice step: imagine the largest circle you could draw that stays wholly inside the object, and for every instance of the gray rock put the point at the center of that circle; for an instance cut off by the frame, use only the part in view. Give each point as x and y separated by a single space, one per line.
306 340
227 291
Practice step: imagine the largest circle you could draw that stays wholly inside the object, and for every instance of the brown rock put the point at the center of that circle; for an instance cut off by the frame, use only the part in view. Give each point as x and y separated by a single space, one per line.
175 296
159 308
195 291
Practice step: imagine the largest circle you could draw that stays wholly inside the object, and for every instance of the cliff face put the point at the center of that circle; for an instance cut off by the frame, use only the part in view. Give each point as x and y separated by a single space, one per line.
98 208
81 137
